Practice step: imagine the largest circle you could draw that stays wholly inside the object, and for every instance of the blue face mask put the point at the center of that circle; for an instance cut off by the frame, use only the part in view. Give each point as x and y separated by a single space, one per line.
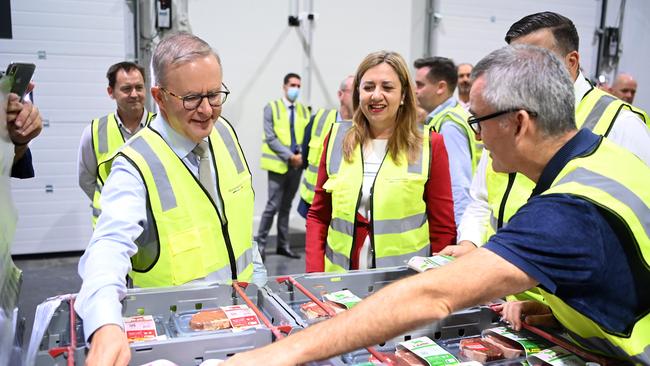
292 93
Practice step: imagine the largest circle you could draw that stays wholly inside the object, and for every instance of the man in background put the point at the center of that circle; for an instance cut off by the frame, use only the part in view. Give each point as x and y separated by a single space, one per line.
284 126
435 82
106 134
624 87
312 146
464 84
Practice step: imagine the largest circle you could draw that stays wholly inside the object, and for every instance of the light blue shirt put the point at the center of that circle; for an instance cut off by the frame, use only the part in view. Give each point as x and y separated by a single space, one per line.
460 160
107 260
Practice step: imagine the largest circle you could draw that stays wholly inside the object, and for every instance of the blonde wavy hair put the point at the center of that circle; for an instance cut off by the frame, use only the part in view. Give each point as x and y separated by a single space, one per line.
407 137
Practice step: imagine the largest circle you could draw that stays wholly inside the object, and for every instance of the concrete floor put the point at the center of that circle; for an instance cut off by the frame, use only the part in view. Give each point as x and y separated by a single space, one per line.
56 274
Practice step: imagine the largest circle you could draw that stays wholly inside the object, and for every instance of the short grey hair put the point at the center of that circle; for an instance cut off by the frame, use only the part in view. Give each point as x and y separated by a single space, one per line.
344 83
178 48
531 78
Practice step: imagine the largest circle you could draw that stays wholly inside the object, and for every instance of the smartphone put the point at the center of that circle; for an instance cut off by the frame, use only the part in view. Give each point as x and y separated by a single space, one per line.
21 73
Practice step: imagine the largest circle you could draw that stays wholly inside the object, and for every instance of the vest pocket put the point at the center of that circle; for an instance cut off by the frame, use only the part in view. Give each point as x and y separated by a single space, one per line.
186 256
344 198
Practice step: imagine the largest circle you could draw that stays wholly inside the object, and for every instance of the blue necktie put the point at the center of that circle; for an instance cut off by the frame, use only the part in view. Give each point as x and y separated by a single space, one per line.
292 116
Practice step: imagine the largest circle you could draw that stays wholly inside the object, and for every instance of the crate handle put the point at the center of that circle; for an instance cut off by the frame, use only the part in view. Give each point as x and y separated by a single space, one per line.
562 343
239 286
378 355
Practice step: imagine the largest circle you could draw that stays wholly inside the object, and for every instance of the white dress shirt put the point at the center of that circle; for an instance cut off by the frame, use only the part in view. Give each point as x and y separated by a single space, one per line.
628 131
460 160
107 260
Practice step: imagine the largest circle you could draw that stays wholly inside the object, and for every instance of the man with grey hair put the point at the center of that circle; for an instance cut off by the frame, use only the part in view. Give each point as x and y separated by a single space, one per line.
177 200
567 238
496 197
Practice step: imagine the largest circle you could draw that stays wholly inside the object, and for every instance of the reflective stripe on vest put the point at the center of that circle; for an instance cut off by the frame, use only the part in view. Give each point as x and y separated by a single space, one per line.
160 177
458 115
281 127
107 138
615 182
615 189
184 239
398 223
323 121
599 344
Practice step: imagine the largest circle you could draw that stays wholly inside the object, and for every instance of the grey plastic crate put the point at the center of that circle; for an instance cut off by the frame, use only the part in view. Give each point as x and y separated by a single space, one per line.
464 323
164 304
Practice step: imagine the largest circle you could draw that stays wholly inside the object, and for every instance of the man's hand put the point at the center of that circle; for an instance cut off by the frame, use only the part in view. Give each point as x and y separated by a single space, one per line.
461 249
23 120
109 347
531 312
276 354
296 160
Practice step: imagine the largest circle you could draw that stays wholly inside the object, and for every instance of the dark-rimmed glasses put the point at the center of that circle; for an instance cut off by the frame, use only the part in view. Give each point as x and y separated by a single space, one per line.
474 124
193 101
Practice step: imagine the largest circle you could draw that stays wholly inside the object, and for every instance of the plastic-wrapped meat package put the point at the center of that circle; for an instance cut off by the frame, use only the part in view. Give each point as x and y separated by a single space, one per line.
210 320
313 311
408 358
509 350
476 349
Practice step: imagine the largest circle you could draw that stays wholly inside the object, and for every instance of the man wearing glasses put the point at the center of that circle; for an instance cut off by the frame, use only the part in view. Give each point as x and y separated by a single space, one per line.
177 200
497 196
106 134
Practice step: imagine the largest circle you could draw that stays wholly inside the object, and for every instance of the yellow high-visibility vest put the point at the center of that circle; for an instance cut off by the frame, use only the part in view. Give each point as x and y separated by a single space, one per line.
107 138
186 238
322 124
398 222
616 182
282 127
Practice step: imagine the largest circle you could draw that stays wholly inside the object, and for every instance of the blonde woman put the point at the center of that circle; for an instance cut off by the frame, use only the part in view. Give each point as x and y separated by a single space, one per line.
383 192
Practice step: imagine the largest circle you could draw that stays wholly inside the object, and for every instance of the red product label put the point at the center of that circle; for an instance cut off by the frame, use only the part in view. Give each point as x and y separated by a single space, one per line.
140 328
241 316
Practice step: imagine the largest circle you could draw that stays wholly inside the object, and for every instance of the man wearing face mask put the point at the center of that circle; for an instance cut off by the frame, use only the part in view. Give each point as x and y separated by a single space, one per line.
284 127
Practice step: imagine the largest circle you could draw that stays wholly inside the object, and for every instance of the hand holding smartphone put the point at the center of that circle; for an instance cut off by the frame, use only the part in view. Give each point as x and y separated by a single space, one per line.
21 73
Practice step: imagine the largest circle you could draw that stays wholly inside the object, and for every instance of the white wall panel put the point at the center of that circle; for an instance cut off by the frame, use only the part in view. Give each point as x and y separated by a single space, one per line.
258 48
635 44
80 39
470 29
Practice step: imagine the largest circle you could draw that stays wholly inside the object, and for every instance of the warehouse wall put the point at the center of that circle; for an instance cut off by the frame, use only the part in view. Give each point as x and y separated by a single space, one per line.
635 44
258 48
72 44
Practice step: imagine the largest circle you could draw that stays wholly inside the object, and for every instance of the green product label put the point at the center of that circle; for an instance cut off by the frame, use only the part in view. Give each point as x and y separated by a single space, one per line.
530 345
422 264
429 351
558 356
345 298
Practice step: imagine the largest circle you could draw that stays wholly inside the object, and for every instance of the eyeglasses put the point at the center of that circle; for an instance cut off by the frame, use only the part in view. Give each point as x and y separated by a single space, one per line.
193 101
474 124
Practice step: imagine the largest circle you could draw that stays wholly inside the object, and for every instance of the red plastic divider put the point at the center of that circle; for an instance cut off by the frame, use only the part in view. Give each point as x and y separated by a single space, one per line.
70 349
239 287
603 361
378 355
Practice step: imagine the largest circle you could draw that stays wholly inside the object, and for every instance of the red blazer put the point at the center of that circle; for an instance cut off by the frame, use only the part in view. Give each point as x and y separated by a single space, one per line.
437 195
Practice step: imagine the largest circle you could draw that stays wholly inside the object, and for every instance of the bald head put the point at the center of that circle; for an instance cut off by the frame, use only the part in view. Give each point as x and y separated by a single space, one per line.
624 87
